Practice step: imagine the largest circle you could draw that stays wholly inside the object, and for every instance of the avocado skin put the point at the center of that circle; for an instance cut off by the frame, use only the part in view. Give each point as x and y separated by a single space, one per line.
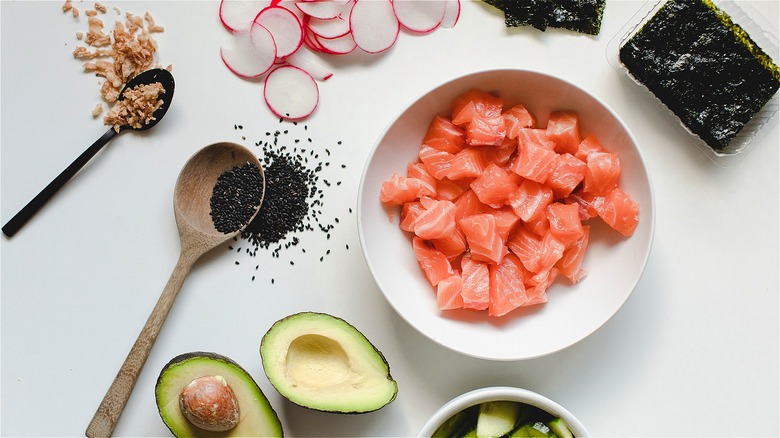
350 326
184 357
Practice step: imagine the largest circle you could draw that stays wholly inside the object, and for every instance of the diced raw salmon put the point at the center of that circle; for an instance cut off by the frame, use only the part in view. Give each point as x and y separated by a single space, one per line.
445 136
433 263
585 202
409 213
565 224
550 251
502 154
468 204
452 190
619 211
525 245
507 291
475 102
436 220
536 288
540 225
486 131
536 135
452 245
506 220
448 293
482 238
435 161
517 118
530 199
468 163
418 170
588 144
400 189
569 172
602 174
534 162
476 283
570 263
494 186
563 129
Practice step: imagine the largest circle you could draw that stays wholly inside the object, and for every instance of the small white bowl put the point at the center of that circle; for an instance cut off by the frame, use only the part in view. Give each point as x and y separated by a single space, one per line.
614 263
498 393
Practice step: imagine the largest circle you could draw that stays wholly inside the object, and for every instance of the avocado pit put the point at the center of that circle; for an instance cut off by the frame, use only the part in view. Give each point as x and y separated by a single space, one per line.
209 403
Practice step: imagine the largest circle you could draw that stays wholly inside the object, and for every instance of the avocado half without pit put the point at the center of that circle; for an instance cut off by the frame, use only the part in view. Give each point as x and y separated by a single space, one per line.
207 394
322 362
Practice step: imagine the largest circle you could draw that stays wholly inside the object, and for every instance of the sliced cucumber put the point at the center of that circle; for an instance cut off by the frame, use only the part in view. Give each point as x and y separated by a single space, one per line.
497 418
559 428
459 424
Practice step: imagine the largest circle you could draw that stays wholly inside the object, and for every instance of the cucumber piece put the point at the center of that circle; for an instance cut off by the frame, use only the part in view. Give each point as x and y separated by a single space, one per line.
459 424
497 418
559 428
521 432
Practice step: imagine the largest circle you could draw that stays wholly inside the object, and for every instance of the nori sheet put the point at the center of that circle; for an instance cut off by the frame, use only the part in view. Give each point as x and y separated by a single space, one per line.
582 16
703 67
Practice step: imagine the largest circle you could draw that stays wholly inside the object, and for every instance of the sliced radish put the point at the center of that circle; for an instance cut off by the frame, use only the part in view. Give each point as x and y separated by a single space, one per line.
337 46
303 60
252 54
291 93
284 26
374 25
322 9
419 16
451 13
290 5
237 15
333 28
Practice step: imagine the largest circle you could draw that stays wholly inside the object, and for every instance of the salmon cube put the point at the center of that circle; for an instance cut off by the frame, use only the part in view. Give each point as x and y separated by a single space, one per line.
588 144
501 155
436 162
524 244
400 189
540 226
568 173
530 200
468 204
506 220
619 211
433 263
473 103
419 171
517 118
451 190
452 245
565 222
444 135
494 186
476 284
409 213
507 291
536 287
570 264
563 129
535 135
550 251
436 220
534 162
602 173
468 163
482 237
486 131
448 293
585 202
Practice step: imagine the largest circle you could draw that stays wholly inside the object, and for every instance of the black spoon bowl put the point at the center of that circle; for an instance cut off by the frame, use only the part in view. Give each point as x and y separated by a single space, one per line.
152 76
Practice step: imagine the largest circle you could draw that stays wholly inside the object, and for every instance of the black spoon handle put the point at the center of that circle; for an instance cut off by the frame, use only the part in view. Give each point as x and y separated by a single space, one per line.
16 222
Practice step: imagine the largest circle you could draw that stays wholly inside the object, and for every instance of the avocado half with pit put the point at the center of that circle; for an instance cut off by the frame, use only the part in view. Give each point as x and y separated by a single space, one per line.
322 362
207 394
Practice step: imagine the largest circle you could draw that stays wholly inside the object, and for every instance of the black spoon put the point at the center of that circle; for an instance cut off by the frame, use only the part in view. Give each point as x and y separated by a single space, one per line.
162 76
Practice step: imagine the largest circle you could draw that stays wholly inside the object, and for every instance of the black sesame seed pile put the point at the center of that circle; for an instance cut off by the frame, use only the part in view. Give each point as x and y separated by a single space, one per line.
235 197
298 173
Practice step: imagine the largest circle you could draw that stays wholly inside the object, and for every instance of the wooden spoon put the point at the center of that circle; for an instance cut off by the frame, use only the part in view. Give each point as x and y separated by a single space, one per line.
197 235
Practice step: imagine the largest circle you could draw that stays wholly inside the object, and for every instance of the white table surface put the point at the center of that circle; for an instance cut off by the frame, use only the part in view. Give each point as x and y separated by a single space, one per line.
694 351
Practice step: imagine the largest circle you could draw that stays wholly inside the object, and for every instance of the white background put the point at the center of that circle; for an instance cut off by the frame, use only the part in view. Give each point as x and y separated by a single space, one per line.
694 351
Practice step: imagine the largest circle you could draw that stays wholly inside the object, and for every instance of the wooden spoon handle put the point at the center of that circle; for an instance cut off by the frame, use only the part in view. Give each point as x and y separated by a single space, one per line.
107 414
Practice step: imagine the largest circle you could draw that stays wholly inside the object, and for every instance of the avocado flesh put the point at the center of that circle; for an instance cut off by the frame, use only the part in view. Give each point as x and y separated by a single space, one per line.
322 362
257 417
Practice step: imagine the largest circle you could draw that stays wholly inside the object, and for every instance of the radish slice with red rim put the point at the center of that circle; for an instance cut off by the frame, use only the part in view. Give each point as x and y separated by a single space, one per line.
451 13
333 28
322 9
374 25
284 26
290 6
237 15
337 46
419 16
252 54
303 60
291 93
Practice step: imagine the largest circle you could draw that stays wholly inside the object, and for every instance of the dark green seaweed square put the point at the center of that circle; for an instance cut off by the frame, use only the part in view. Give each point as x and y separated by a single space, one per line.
703 67
582 16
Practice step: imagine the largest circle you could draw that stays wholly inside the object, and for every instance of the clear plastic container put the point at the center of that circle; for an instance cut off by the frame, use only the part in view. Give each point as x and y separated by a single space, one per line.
760 32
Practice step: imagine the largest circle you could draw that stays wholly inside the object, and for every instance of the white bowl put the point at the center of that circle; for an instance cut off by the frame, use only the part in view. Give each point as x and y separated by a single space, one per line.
506 393
614 263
